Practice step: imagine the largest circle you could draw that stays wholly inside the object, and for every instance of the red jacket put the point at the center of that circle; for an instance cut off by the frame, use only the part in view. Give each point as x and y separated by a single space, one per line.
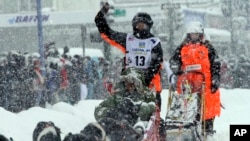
64 76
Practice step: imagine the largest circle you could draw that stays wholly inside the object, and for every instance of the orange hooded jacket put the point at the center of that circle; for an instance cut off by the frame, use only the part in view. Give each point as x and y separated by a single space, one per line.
198 57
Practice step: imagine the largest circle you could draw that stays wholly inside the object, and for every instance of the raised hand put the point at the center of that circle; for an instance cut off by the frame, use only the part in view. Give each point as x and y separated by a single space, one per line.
105 8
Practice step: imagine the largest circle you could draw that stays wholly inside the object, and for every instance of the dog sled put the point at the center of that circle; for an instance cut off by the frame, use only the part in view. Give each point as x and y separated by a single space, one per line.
183 121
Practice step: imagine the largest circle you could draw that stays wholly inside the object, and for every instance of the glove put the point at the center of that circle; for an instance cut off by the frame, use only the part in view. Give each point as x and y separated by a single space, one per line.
176 69
215 85
214 89
179 72
172 87
148 78
105 8
158 100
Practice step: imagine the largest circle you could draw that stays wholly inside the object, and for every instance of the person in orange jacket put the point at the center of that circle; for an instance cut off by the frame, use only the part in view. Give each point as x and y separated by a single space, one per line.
141 48
197 54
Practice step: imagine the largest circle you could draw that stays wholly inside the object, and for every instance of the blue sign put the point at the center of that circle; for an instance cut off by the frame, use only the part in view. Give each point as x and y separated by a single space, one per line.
27 19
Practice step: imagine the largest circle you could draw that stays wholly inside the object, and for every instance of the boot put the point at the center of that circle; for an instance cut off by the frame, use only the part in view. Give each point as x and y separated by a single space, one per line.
209 126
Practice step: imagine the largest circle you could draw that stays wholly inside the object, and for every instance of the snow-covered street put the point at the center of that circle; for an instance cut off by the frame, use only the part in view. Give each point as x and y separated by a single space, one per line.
73 118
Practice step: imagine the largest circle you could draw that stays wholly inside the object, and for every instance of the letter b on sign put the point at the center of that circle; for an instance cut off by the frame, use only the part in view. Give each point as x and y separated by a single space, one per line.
239 132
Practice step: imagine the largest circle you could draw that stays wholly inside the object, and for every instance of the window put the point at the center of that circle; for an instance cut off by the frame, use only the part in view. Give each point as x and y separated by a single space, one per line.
1 6
30 5
27 5
47 3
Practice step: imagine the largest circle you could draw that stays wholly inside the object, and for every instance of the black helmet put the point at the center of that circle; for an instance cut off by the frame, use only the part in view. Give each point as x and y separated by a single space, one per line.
144 18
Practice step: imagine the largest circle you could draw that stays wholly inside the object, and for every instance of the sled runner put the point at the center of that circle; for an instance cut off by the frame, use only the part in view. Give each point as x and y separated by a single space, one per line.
183 121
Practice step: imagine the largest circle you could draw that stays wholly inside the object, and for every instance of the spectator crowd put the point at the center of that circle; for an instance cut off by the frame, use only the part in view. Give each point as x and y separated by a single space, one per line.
24 85
234 72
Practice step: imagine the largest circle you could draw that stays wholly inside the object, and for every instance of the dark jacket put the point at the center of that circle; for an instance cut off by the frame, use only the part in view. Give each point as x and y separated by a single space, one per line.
118 39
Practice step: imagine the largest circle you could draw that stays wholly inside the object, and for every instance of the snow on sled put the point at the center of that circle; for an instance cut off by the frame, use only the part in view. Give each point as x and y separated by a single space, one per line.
183 118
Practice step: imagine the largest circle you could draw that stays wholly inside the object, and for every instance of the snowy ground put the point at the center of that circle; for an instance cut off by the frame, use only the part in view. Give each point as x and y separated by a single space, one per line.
73 118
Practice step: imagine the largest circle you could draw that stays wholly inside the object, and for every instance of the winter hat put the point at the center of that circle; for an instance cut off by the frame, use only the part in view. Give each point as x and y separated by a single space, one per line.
135 76
46 131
